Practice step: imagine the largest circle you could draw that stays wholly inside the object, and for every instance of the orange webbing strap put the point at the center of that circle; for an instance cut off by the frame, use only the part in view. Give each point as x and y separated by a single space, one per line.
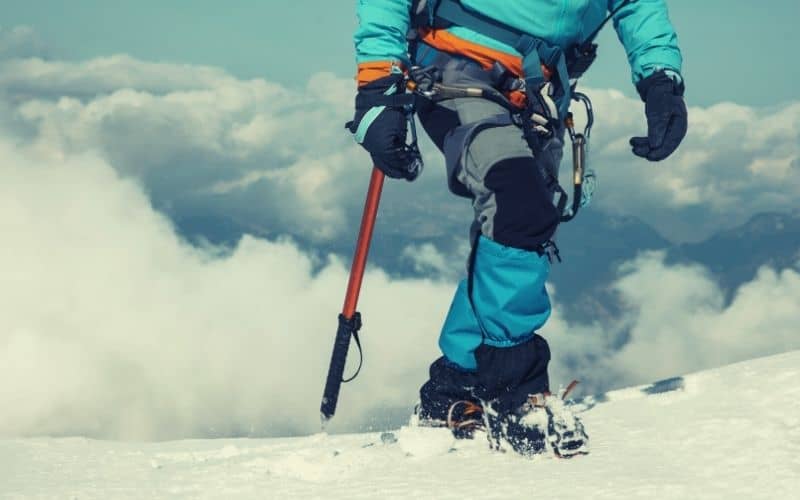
447 42
371 71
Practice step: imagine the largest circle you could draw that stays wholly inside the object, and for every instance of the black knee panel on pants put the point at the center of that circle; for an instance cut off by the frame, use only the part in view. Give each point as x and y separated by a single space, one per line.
525 217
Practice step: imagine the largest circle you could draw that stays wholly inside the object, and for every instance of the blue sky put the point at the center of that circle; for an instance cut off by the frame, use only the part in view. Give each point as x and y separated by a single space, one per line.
735 50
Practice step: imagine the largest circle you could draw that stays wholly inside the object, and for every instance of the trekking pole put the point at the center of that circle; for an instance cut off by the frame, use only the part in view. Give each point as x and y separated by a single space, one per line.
350 320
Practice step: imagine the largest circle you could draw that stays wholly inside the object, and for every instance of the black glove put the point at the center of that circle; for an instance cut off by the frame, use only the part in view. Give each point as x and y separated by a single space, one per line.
381 128
666 117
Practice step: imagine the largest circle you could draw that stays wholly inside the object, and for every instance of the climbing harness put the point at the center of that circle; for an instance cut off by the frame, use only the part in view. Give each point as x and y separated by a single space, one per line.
425 83
542 62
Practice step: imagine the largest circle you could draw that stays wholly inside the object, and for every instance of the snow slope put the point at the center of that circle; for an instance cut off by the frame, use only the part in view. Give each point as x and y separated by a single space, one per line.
732 432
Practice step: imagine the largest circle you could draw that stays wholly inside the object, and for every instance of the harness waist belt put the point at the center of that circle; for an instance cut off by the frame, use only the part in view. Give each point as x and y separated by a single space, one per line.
535 51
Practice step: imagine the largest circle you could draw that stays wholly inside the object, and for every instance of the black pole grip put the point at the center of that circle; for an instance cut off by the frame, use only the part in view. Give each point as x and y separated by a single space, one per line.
347 327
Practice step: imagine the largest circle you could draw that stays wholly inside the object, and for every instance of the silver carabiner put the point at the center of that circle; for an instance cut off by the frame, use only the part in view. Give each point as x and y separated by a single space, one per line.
587 104
584 180
416 165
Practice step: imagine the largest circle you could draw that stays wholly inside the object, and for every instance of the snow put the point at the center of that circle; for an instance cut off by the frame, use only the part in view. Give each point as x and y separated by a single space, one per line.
724 433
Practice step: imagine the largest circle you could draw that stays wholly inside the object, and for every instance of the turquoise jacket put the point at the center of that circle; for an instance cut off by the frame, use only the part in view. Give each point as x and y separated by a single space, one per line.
643 28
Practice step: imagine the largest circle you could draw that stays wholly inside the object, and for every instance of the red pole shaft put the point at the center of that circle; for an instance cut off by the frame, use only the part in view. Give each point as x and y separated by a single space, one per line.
364 240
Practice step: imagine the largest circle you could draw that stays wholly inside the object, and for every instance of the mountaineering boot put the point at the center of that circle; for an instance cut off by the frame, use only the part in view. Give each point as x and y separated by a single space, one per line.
523 431
463 419
542 421
565 431
447 397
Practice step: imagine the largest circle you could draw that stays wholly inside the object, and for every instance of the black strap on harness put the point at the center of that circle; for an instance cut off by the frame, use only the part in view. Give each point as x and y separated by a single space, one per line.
394 100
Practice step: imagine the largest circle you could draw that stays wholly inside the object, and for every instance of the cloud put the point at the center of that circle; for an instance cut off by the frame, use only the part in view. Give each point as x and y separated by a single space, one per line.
735 161
196 136
426 259
675 320
761 320
114 327
37 77
204 142
19 42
